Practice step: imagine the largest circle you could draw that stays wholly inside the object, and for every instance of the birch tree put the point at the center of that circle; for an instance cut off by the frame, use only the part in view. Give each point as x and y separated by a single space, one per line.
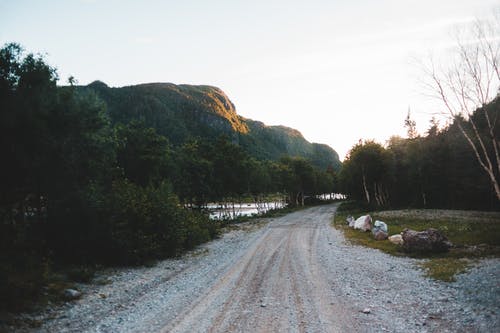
468 83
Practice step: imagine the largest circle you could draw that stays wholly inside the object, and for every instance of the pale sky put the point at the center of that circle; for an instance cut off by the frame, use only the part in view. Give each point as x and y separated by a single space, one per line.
337 70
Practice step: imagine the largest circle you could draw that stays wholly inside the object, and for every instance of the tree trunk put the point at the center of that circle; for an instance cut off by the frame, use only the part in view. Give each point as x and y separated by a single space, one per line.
487 167
367 194
380 195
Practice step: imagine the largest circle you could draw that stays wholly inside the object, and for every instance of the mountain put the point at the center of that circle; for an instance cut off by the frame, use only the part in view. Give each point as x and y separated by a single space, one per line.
181 112
271 142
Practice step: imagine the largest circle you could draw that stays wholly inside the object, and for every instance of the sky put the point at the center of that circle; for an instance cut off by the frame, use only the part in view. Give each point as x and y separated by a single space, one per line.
336 70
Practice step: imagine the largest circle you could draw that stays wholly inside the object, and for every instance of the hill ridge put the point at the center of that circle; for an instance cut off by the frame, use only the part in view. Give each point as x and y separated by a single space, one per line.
183 111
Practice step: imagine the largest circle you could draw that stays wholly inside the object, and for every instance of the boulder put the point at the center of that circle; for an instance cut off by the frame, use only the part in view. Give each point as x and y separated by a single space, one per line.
71 294
379 230
396 239
380 226
427 241
350 221
380 235
363 223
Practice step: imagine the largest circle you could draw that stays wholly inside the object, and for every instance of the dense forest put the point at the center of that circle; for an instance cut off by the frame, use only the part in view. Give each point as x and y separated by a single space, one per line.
89 178
435 170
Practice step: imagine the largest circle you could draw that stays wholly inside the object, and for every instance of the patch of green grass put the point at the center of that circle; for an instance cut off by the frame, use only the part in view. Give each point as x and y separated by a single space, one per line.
461 232
445 269
474 235
366 239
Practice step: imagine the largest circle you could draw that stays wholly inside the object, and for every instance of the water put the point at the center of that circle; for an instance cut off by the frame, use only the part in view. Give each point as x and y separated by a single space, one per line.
228 211
332 196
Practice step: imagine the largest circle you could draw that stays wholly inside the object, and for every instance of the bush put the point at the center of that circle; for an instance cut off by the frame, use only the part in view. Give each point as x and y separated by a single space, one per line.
130 225
23 268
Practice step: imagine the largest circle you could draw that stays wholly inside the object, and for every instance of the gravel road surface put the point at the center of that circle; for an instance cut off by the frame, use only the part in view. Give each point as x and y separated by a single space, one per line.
290 274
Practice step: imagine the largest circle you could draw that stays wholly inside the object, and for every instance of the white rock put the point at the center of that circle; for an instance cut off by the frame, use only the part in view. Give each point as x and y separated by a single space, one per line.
380 226
363 223
396 239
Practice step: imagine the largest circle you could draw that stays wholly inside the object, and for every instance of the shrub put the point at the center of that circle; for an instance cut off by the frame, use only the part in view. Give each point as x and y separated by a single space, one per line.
23 268
130 225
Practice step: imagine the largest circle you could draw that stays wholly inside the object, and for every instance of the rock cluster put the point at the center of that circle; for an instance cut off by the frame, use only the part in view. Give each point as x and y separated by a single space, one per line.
364 223
427 241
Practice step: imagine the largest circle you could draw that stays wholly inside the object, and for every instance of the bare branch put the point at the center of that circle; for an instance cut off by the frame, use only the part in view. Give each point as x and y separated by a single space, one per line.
469 83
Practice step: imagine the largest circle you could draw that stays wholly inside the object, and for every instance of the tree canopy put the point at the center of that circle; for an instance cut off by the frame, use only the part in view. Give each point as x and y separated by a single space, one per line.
85 184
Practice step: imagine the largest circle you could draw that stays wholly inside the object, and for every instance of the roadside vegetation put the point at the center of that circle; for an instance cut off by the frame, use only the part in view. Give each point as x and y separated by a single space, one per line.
455 166
82 190
474 235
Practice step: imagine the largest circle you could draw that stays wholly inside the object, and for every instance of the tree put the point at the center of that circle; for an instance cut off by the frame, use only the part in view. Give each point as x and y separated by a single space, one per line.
193 180
28 97
229 169
467 86
142 153
54 142
364 173
298 178
411 126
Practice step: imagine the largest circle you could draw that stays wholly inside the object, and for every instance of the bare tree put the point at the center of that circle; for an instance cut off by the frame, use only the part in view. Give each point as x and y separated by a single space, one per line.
469 81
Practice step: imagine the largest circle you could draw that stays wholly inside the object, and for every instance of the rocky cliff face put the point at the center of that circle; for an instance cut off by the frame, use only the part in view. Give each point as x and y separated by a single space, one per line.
216 101
181 112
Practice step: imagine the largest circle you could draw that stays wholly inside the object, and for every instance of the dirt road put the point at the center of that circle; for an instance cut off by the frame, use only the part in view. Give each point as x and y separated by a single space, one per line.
291 274
278 285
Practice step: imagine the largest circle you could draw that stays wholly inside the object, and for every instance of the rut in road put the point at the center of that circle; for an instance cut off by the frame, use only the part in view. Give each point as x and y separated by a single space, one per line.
278 285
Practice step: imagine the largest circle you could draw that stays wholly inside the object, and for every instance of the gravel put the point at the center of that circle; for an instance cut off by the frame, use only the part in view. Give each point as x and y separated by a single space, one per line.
290 274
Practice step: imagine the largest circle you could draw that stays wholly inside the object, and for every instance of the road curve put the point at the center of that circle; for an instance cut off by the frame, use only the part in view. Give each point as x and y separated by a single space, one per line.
278 285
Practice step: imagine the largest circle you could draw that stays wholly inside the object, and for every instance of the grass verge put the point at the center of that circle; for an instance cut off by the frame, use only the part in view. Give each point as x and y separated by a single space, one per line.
474 235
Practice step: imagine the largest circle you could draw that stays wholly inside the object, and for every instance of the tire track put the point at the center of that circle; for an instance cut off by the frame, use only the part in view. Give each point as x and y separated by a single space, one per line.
276 286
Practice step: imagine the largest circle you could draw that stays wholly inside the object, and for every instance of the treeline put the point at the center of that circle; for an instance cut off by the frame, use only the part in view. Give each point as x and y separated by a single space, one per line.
77 189
437 170
223 172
